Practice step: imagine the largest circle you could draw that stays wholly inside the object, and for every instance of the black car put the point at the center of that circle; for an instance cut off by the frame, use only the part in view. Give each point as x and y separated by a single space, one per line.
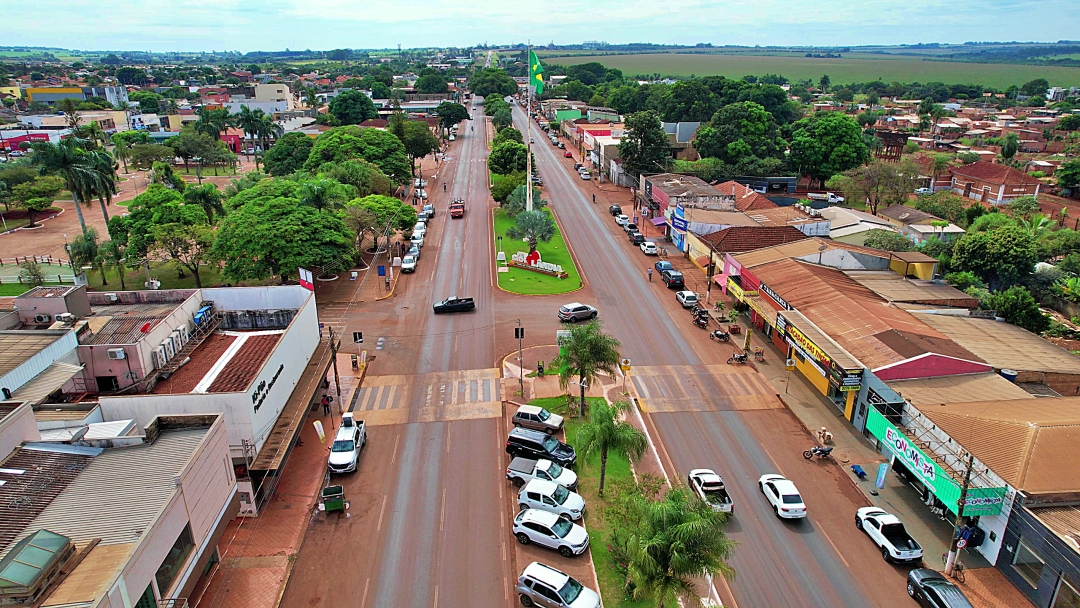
454 304
673 279
614 210
930 588
527 443
637 238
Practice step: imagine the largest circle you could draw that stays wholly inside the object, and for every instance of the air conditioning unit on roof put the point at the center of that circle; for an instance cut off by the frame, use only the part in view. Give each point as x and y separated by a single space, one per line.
42 319
111 297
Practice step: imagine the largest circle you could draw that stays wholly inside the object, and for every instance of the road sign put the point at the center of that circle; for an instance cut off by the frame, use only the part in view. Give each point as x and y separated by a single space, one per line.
960 544
519 333
624 365
358 337
789 364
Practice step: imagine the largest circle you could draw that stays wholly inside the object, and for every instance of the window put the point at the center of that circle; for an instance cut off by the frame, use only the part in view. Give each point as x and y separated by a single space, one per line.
1067 595
1028 564
147 600
174 560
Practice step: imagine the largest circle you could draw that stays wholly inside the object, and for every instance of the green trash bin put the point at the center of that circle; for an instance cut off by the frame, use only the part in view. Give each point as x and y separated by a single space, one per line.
333 498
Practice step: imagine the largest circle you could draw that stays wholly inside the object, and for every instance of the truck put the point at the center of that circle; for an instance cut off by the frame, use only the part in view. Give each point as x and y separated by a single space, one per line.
828 197
889 534
710 488
351 437
521 470
457 207
454 304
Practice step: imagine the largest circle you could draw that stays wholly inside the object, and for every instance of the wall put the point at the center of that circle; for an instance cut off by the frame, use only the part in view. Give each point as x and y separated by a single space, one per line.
919 270
36 364
1060 558
16 428
843 259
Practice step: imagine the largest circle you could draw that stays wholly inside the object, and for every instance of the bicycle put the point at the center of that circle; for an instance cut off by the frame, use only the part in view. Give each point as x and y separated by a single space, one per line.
958 567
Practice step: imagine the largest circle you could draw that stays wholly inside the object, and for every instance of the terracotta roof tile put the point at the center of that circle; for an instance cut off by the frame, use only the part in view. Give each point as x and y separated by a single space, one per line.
994 173
203 358
245 364
736 239
746 199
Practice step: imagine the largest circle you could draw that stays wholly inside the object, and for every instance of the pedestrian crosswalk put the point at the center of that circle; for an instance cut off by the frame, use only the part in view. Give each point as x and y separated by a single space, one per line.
397 399
702 388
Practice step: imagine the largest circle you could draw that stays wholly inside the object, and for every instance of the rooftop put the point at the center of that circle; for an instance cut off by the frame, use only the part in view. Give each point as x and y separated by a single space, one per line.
958 389
994 173
896 288
798 249
905 214
30 480
783 216
736 239
677 185
128 328
1030 443
16 347
1003 345
226 362
48 292
1064 521
746 199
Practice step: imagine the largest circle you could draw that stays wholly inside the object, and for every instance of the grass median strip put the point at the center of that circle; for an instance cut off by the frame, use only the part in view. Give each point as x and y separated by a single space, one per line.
555 251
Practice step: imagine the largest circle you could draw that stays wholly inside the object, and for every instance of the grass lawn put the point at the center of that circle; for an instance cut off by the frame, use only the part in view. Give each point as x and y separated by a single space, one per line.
14 289
166 272
522 281
588 470
16 218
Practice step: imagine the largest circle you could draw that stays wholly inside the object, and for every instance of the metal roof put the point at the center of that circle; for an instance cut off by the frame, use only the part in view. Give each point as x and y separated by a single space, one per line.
799 249
16 347
44 384
124 330
896 288
1063 521
1002 345
30 480
957 389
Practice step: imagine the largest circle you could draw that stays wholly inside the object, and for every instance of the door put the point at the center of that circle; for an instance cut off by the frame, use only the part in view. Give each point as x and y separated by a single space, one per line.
107 384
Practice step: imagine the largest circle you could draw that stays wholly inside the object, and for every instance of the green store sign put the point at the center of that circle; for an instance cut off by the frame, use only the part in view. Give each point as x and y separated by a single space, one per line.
979 501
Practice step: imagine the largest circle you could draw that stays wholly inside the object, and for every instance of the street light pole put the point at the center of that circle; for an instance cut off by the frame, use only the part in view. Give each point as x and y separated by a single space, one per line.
519 333
950 563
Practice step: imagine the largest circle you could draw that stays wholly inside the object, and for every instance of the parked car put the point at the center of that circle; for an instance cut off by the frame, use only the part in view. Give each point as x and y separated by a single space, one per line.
420 227
521 470
782 494
429 211
576 311
622 220
568 154
421 193
537 418
614 210
551 497
923 191
413 251
551 531
351 437
527 443
452 137
562 145
687 298
888 533
419 183
649 248
636 238
930 588
673 279
585 175
710 488
408 264
454 304
417 239
663 265
630 227
541 585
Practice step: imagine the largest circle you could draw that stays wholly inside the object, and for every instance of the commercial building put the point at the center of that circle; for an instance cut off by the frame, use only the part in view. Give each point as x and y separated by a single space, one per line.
116 95
851 225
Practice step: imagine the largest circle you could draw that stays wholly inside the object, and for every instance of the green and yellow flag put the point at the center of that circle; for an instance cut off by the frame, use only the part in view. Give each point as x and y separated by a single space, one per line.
536 74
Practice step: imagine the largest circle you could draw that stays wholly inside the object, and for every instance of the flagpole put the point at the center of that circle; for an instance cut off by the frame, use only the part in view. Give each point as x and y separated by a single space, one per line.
528 131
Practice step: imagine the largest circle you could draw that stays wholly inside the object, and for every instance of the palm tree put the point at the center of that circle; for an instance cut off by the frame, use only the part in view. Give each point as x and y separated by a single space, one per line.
515 203
1036 226
678 540
938 164
112 252
104 187
122 153
267 130
606 433
585 354
78 168
533 226
250 121
323 193
208 197
214 122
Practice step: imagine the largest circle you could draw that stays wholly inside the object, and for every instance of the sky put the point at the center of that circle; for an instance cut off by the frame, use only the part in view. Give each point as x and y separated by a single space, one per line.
250 25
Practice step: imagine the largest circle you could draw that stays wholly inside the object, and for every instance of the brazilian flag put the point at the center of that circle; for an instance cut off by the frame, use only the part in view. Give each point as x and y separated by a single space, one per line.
536 74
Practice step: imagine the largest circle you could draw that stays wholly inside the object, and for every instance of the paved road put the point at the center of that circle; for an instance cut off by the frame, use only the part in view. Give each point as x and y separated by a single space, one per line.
778 564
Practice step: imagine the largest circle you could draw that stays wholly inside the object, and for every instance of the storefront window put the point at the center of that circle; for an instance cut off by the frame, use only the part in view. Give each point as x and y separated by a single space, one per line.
1067 596
1028 564
174 560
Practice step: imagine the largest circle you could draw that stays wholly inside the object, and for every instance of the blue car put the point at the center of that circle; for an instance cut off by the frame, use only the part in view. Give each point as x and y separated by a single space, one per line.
663 265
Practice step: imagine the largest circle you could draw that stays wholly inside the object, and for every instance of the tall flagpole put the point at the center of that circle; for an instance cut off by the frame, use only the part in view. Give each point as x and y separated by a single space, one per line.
528 131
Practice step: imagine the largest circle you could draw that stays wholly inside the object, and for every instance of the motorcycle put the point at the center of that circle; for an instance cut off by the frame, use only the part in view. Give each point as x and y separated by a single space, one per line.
817 450
701 322
737 357
698 309
720 335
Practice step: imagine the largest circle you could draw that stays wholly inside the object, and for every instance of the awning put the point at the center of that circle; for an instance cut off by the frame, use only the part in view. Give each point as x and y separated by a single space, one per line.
46 383
658 221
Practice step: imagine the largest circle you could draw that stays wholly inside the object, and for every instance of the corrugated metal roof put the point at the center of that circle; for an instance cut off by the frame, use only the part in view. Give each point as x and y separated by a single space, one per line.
799 249
1003 345
118 496
1063 521
44 384
124 330
1031 443
957 389
24 495
895 288
18 346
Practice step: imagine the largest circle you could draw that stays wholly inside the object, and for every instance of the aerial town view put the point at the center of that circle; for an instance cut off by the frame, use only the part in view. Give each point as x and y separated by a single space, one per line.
723 304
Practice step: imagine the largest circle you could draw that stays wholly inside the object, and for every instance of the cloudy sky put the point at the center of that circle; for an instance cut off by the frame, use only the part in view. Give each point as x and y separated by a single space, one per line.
247 25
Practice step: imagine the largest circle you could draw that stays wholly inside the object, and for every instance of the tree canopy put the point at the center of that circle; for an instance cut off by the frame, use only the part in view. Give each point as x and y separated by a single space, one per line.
492 81
450 114
644 147
740 130
827 143
288 154
508 157
999 257
381 148
352 107
431 84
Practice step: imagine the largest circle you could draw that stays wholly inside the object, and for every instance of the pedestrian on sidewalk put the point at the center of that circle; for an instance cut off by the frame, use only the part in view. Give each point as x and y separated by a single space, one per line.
325 404
649 270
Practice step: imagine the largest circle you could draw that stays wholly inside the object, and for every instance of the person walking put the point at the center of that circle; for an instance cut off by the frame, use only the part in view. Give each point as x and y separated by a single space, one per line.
649 270
325 404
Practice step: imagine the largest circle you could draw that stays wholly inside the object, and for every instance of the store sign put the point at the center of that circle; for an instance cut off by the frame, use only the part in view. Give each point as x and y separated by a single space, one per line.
679 211
775 296
912 457
263 389
848 379
807 345
737 292
678 223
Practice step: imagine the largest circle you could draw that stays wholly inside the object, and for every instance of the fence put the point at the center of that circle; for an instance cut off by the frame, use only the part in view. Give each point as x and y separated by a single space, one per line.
54 270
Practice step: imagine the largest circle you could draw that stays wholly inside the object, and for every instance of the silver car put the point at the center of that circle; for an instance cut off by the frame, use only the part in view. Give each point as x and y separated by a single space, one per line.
542 585
576 311
537 418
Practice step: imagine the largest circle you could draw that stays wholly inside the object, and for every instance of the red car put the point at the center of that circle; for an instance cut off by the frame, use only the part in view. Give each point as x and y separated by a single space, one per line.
567 154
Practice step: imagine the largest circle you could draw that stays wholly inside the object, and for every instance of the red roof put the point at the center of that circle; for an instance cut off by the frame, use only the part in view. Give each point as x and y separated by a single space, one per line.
994 173
736 239
746 199
378 123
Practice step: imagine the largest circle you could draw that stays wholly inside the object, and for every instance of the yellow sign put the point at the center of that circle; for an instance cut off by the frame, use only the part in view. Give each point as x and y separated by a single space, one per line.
807 345
760 310
319 429
624 365
789 364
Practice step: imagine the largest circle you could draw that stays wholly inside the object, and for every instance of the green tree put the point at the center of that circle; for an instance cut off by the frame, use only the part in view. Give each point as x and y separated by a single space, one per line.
360 174
288 154
250 122
507 134
586 353
502 119
824 83
323 194
739 130
189 145
1010 146
688 100
84 248
945 205
1035 88
450 114
887 240
605 433
390 214
1070 122
1024 206
144 156
1000 257
431 84
1068 174
381 148
493 105
38 195
508 157
189 245
1018 307
516 201
113 253
32 273
876 184
353 107
82 171
827 143
492 81
213 122
644 147
419 141
207 197
503 188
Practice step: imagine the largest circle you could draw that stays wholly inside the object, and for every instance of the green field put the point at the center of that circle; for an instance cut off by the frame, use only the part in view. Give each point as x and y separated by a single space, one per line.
858 67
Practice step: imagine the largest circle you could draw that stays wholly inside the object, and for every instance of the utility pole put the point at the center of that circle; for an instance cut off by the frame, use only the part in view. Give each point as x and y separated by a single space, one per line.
334 345
528 139
950 563
519 333
708 287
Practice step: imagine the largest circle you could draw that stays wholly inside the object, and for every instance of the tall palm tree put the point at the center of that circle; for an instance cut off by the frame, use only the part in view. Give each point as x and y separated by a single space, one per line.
213 122
938 164
122 153
81 172
604 433
104 187
533 226
585 354
267 130
515 203
678 540
250 122
208 197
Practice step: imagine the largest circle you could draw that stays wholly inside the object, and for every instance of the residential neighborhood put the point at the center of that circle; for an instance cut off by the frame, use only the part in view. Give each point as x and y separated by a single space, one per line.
524 323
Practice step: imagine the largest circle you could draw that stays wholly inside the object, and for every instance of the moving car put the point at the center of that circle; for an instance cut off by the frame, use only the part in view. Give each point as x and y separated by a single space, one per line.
710 488
527 443
614 210
457 208
930 588
521 470
454 304
687 298
408 264
550 496
551 531
663 265
537 418
888 533
576 311
345 451
567 154
541 585
673 279
783 496
649 248
622 220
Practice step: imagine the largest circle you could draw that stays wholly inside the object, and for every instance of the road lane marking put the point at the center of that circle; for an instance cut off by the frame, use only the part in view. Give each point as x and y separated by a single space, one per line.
835 548
382 511
442 511
393 453
363 598
436 604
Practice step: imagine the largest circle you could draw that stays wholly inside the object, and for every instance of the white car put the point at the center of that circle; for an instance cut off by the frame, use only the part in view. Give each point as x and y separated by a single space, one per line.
923 191
585 175
649 248
541 585
420 227
420 194
783 496
888 533
552 531
345 451
408 264
686 298
549 496
453 138
622 219
417 239
419 183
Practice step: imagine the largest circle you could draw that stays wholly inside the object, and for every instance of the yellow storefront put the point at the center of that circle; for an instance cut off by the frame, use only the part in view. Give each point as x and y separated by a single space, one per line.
827 366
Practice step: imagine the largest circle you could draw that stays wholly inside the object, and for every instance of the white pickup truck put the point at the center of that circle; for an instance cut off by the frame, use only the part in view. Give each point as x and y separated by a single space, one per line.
888 534
828 197
351 437
521 470
710 488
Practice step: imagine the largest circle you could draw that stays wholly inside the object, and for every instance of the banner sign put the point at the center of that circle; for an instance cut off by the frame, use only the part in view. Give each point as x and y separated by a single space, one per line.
679 223
775 296
736 291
